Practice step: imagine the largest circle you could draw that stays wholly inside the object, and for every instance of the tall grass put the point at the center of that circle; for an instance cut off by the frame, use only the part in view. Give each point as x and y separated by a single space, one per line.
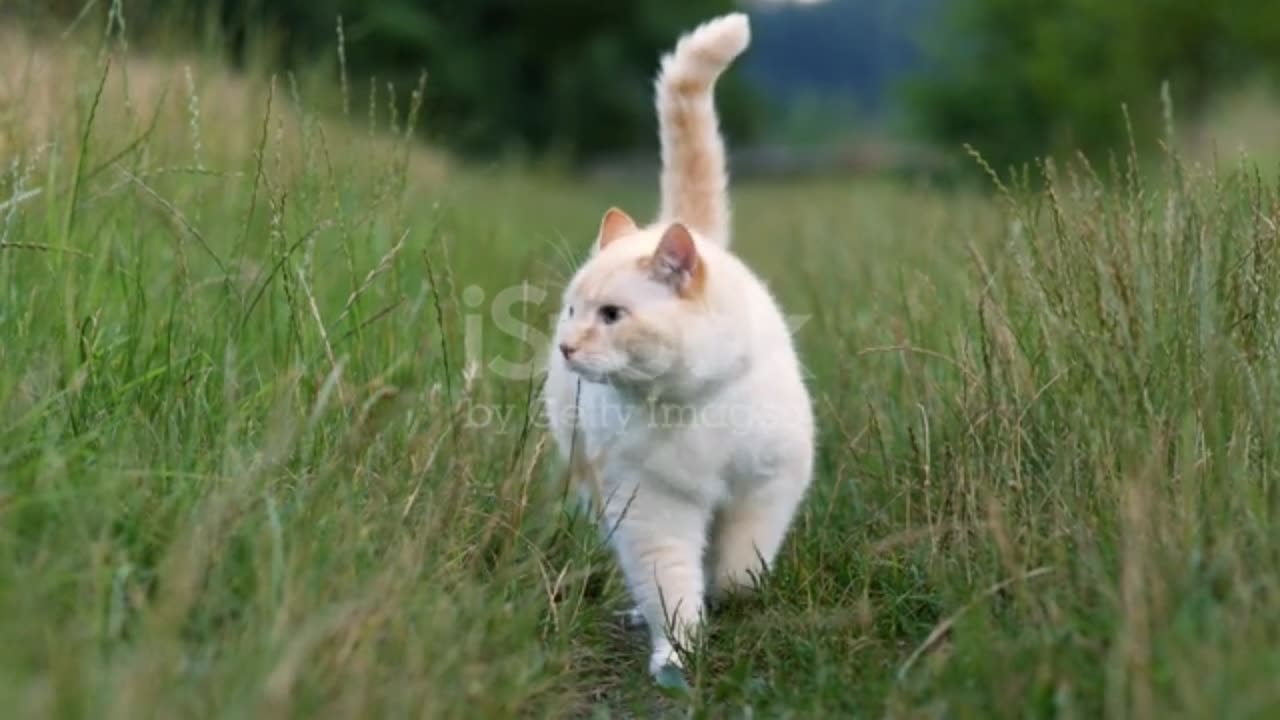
255 459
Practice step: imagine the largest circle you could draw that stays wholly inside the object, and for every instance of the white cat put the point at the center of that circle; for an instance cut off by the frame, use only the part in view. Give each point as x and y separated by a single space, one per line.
674 391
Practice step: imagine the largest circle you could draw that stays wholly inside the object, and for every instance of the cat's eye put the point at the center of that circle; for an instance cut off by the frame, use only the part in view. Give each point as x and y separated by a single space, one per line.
570 311
609 314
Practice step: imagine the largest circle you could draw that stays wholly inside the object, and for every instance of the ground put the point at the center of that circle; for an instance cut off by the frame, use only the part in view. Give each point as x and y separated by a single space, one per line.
256 458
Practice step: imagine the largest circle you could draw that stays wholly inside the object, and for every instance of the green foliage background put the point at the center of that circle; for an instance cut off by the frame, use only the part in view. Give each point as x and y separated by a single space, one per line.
1017 78
503 76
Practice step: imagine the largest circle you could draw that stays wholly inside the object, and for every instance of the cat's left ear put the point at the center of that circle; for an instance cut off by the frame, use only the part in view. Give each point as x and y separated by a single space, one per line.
676 261
614 225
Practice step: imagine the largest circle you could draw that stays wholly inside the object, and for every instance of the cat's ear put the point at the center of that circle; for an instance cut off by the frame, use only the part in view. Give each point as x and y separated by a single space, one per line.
676 261
614 225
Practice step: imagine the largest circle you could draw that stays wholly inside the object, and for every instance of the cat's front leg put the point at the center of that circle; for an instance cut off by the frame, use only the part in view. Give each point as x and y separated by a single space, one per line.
659 539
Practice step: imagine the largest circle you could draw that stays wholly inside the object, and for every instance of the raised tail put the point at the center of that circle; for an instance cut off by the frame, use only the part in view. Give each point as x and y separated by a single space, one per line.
695 181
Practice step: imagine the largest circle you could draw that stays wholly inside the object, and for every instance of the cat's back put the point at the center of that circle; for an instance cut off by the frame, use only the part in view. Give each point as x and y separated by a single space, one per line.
755 311
772 395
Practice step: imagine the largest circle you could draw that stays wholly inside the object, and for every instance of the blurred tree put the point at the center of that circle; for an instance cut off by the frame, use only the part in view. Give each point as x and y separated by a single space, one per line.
1019 78
555 74
565 76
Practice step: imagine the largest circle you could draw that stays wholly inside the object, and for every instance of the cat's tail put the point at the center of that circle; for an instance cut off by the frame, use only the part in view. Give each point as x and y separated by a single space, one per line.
694 178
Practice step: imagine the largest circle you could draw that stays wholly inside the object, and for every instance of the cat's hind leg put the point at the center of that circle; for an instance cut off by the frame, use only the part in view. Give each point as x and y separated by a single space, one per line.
749 530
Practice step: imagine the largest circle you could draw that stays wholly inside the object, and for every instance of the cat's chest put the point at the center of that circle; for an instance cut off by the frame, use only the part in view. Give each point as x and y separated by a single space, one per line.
676 458
666 440
622 427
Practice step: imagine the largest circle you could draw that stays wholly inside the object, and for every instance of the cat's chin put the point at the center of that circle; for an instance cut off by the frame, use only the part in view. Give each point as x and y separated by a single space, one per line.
621 379
589 375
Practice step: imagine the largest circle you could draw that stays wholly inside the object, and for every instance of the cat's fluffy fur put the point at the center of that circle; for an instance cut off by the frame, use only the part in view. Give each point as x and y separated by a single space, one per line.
674 390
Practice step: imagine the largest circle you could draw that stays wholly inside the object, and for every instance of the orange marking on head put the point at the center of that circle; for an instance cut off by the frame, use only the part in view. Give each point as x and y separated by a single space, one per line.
637 335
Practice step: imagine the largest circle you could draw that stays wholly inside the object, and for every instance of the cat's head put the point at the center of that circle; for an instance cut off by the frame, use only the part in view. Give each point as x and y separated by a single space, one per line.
631 312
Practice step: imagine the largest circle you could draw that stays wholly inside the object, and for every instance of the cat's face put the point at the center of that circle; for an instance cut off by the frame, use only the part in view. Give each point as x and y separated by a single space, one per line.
627 312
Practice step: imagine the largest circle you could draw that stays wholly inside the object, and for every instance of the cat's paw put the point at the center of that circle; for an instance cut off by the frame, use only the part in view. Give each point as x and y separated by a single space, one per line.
663 655
667 669
670 679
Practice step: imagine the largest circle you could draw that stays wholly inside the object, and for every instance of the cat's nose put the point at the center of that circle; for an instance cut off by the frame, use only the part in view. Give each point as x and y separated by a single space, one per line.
567 350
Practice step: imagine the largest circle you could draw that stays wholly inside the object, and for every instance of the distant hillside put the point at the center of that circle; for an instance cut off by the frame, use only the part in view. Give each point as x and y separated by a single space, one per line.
855 50
828 72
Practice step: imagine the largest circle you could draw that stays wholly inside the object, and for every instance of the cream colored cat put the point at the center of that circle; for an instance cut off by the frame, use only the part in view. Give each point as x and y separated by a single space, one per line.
673 378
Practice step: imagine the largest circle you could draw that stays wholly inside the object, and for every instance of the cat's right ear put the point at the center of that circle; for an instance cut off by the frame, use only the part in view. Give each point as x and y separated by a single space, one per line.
614 225
676 262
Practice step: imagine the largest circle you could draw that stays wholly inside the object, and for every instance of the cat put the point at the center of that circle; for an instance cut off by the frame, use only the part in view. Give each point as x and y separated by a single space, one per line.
674 392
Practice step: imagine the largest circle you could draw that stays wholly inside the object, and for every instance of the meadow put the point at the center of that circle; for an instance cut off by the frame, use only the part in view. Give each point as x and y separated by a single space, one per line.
260 457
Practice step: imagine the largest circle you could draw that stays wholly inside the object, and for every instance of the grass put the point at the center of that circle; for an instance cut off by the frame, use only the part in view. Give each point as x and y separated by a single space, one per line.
245 468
